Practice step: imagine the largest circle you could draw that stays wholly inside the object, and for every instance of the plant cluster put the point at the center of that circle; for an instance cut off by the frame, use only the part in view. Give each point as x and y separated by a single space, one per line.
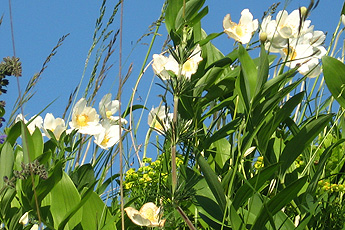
244 140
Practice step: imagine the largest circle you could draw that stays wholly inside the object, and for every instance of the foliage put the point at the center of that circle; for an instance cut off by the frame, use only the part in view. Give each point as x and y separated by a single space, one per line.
240 144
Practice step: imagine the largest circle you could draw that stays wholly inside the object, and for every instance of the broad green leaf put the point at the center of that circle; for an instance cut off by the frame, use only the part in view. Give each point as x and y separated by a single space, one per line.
83 176
45 186
334 74
37 140
13 133
222 154
249 71
96 214
206 81
6 163
172 9
62 199
267 131
275 204
262 70
253 185
186 13
28 144
212 181
302 140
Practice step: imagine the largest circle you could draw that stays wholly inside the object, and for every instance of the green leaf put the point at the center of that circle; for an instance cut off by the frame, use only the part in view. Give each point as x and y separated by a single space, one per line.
173 7
96 214
63 198
253 185
223 132
187 13
334 74
262 70
275 204
212 181
134 107
37 141
206 81
6 163
284 112
302 140
249 71
28 144
209 38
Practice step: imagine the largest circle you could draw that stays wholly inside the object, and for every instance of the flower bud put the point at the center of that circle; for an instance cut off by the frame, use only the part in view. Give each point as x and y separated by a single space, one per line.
303 11
263 37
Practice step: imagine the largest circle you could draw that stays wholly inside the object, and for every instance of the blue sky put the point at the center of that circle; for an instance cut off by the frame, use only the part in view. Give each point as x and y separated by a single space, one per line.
38 24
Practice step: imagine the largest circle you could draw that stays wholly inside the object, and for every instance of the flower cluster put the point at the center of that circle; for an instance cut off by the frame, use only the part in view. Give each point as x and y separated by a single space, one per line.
162 64
295 39
85 120
147 175
259 162
330 188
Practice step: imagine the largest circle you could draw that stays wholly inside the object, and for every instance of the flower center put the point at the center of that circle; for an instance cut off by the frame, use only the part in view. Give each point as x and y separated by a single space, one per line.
82 120
149 214
108 113
290 52
105 140
187 66
239 31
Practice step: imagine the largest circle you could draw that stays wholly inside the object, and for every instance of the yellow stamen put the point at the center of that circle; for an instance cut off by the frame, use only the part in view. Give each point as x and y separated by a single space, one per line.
105 140
239 31
187 66
82 120
291 53
108 113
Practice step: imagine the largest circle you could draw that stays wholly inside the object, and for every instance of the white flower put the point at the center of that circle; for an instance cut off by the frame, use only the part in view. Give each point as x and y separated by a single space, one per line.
289 25
191 65
24 219
162 64
35 121
56 125
149 215
274 41
243 31
158 65
85 119
34 227
109 135
301 52
159 120
343 19
107 108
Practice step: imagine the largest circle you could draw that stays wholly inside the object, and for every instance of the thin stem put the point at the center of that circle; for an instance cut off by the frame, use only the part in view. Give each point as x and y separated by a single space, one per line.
120 130
173 146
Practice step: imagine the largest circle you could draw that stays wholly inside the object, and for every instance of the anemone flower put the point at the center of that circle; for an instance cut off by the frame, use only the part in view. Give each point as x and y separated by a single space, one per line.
56 125
149 215
109 135
85 119
159 120
107 108
162 64
158 66
243 31
35 121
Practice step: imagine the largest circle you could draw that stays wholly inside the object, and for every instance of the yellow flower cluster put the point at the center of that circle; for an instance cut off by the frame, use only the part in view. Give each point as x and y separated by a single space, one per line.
299 161
330 188
259 162
147 175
